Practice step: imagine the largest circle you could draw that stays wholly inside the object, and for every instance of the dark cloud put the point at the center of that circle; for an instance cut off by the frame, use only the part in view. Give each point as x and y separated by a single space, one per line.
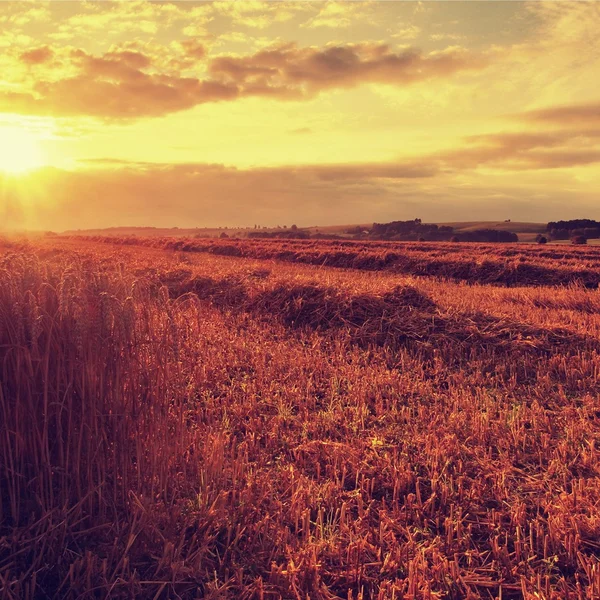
129 84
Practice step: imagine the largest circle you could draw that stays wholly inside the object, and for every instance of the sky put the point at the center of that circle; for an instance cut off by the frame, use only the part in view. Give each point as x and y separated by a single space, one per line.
235 113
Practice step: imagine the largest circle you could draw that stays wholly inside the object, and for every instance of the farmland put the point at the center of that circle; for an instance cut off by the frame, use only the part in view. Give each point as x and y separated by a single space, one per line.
186 418
499 264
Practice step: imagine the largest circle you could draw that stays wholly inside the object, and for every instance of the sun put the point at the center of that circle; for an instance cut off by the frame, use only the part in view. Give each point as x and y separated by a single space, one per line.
20 151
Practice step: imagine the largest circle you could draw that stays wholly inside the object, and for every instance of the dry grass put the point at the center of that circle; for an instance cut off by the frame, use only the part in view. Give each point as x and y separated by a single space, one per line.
497 264
184 425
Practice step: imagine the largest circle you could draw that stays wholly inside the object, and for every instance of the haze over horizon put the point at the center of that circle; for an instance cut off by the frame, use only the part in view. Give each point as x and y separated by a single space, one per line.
202 114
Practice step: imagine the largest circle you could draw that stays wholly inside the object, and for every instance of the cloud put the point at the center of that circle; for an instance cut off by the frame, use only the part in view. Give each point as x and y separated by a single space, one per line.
289 70
193 49
455 37
573 23
110 193
575 141
365 172
37 56
106 192
257 14
350 172
17 16
128 84
117 85
112 19
525 150
338 15
575 114
407 33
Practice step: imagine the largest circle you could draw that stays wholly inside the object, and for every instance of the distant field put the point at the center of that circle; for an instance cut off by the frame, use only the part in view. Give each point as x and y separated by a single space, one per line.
516 227
189 424
497 264
527 232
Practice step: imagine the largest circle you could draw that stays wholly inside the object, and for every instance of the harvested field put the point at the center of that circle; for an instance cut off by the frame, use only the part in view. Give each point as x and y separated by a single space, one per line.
186 419
497 264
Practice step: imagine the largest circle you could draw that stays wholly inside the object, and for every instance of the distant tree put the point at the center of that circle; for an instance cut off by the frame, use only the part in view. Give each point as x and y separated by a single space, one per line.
421 239
454 239
416 229
579 240
572 224
591 232
354 230
559 234
223 235
541 239
294 227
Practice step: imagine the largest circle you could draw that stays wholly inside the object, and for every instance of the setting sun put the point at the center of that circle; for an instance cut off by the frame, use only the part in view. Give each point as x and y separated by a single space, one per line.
19 151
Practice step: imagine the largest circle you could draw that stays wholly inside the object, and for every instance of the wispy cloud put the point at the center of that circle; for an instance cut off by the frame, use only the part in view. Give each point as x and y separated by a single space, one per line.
574 114
525 150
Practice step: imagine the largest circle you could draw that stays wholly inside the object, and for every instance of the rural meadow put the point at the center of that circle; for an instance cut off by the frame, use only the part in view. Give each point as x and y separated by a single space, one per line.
299 300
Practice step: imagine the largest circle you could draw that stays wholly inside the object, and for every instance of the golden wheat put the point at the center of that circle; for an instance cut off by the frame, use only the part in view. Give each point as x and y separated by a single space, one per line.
230 427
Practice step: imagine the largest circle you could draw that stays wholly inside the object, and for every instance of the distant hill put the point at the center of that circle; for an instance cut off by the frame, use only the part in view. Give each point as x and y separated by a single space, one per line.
514 226
458 226
526 231
162 231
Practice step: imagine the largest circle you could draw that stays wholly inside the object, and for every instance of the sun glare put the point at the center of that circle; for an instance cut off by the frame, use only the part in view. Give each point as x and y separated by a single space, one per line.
20 151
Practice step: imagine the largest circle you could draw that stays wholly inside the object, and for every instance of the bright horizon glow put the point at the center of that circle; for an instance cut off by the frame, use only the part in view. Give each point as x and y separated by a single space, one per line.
20 151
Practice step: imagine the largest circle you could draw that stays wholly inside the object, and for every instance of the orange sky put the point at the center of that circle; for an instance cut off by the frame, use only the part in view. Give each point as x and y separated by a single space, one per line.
235 113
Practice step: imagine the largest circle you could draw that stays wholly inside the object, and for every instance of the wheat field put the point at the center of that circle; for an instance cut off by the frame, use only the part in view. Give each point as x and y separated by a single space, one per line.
207 419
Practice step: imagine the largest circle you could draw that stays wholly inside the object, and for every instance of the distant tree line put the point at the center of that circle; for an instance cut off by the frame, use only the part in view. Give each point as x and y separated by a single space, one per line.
487 235
565 230
406 231
416 230
410 230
